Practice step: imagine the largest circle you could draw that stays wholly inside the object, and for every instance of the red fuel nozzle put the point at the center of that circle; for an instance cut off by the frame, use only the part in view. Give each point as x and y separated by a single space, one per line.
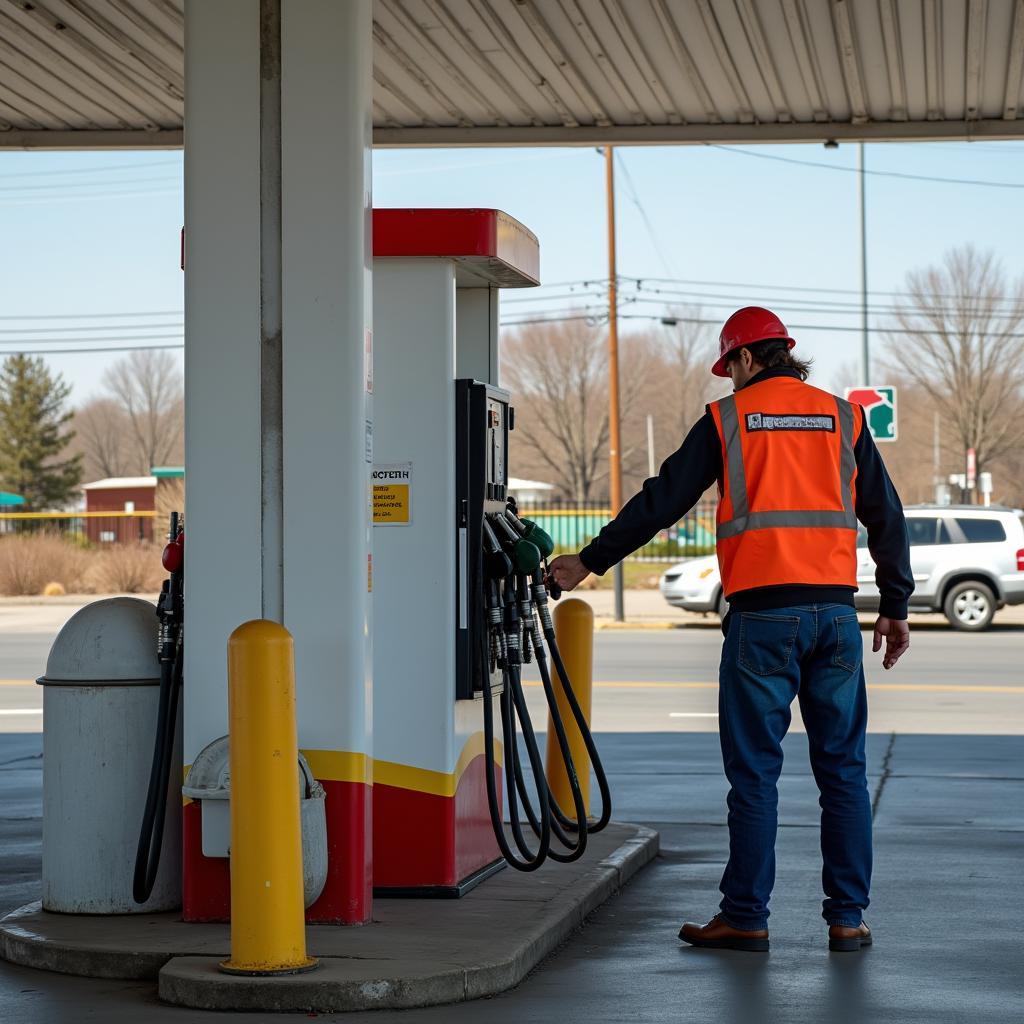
174 554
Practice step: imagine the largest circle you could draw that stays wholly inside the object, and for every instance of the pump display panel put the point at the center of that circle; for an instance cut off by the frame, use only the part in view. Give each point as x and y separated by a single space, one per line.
483 419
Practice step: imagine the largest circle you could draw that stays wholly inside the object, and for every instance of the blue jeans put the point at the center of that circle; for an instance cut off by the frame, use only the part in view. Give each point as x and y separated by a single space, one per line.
813 653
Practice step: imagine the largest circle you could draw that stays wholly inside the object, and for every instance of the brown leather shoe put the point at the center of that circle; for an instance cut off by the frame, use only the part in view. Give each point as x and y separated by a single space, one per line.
717 934
848 940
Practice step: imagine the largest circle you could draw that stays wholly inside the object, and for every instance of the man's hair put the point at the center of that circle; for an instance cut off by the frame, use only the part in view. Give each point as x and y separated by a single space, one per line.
775 352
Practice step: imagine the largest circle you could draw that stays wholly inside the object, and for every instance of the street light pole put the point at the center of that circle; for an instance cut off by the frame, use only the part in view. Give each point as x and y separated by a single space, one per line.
865 355
614 433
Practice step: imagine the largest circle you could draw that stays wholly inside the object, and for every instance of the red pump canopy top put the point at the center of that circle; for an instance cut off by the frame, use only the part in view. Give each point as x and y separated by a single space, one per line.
490 247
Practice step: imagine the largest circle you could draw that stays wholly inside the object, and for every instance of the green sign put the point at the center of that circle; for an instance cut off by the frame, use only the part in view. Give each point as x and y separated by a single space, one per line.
879 404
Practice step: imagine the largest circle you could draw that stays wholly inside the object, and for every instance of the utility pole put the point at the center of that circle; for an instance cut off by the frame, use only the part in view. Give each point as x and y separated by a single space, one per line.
650 445
614 432
865 356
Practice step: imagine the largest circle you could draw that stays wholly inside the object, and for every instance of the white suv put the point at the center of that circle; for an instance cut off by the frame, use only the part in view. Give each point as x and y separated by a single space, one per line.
967 562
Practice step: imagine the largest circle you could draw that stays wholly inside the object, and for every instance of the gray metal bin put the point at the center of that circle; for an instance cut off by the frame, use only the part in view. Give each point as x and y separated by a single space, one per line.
100 698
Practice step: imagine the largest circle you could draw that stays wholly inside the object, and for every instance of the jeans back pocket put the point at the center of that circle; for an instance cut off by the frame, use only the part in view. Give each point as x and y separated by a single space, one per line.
849 652
766 641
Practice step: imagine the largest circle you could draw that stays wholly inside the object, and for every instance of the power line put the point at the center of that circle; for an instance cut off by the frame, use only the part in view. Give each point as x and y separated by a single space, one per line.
854 170
643 213
553 298
90 316
87 184
84 327
86 351
705 321
102 169
808 288
85 341
7 203
832 307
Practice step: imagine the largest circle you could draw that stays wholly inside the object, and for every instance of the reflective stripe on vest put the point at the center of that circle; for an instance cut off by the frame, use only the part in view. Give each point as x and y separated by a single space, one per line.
743 519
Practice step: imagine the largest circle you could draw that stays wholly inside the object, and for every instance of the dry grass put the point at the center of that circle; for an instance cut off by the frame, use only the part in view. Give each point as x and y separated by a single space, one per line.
31 561
636 576
40 563
126 569
170 497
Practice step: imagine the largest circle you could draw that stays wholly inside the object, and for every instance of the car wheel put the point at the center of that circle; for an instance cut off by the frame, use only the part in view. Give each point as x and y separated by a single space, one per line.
970 605
722 606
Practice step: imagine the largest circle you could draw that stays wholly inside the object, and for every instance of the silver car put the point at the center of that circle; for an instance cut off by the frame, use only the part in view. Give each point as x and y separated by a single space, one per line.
967 562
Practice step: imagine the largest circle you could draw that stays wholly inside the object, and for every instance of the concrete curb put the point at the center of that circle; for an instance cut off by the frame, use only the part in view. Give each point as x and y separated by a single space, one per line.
21 943
416 958
600 626
343 984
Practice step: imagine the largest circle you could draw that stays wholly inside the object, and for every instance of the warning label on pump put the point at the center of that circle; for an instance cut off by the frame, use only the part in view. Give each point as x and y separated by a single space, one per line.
392 494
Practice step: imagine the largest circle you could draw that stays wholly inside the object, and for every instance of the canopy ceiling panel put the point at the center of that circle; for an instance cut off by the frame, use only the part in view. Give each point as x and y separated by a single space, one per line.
110 73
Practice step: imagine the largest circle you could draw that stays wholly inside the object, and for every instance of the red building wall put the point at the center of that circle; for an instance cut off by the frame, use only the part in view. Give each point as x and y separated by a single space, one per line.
124 528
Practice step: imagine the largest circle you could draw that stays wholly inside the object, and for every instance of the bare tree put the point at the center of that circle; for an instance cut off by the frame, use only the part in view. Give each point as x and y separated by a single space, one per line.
103 438
959 337
690 356
559 375
147 386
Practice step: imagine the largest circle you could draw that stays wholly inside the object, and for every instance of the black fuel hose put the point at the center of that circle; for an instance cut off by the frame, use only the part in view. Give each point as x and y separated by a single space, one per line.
561 825
546 819
585 733
540 600
147 857
510 701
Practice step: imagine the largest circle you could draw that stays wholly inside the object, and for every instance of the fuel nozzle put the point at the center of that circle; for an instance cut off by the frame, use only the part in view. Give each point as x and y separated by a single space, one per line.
529 530
169 608
497 635
525 555
497 564
526 616
540 598
513 642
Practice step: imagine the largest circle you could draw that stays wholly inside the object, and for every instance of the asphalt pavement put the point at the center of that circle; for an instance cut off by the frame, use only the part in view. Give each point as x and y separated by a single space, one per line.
665 679
949 826
946 769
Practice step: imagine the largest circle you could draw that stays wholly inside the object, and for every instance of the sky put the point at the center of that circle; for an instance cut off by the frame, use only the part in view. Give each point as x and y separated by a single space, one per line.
90 258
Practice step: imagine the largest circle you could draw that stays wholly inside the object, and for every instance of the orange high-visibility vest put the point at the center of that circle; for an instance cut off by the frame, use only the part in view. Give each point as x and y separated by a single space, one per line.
788 487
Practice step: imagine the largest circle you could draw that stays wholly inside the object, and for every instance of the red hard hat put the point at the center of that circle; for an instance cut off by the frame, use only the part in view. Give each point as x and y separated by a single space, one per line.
745 327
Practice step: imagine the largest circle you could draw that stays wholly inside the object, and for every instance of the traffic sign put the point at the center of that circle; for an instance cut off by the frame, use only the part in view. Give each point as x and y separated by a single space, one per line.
879 404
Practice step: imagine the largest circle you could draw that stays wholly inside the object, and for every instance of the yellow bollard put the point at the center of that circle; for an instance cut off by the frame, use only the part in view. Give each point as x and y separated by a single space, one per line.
574 631
268 927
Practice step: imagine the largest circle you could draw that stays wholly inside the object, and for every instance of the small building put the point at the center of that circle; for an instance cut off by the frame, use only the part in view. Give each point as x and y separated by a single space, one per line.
121 496
529 492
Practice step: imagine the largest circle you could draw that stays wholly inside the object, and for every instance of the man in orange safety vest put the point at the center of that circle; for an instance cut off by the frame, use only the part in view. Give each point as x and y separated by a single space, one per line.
796 470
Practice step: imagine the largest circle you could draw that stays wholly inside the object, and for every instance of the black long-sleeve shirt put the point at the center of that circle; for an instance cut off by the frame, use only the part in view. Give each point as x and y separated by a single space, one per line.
688 472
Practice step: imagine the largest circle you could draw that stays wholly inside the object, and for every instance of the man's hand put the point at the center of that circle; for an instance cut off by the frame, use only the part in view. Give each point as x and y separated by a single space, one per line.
897 639
568 571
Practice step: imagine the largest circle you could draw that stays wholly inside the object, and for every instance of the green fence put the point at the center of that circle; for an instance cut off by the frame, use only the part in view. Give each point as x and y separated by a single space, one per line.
572 526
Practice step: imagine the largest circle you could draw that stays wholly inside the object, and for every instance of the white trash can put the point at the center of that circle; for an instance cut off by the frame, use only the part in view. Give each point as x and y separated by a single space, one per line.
100 699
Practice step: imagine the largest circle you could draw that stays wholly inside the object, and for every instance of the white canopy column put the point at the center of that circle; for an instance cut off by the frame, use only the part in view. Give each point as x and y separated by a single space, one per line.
279 420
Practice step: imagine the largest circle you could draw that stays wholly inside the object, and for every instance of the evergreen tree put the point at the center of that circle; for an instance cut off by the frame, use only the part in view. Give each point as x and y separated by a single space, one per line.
33 434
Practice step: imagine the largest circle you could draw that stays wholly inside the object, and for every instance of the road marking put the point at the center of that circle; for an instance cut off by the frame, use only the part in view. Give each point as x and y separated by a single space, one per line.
895 687
21 711
663 685
693 714
644 686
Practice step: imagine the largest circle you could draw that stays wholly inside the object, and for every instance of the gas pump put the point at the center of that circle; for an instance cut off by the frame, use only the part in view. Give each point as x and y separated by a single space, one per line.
459 595
504 622
171 615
